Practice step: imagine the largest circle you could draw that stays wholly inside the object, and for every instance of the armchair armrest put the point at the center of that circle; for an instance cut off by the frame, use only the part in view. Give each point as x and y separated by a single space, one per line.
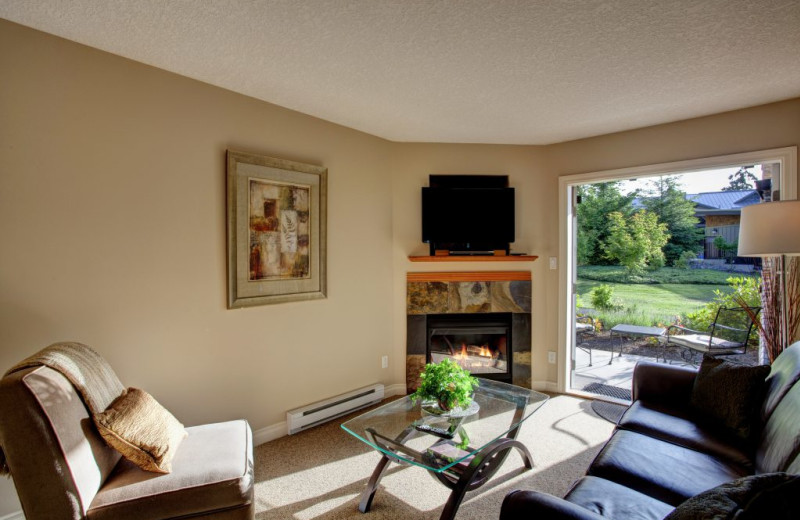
529 505
656 382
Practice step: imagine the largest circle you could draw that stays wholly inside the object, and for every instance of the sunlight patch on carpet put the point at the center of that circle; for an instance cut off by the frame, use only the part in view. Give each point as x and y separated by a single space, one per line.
323 507
330 478
319 474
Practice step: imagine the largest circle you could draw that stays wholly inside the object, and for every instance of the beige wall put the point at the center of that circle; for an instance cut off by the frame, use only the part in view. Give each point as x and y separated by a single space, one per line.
536 229
112 225
764 127
112 218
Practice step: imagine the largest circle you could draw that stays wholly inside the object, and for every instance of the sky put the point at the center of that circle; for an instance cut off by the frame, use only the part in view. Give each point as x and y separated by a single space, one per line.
695 182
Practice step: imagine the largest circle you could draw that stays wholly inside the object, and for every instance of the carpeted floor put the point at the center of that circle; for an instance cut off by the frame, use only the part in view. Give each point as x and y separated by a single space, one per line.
320 473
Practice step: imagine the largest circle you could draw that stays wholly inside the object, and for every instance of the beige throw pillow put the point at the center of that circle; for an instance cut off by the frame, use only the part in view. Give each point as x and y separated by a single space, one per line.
142 430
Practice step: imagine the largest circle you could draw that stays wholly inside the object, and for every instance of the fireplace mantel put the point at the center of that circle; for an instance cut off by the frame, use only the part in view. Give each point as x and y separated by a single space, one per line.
471 276
473 258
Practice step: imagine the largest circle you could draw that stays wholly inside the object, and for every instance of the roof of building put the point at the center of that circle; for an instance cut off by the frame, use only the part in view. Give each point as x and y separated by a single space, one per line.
717 202
725 200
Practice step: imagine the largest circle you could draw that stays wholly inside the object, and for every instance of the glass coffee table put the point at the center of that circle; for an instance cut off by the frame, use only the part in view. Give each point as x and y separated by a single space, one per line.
462 450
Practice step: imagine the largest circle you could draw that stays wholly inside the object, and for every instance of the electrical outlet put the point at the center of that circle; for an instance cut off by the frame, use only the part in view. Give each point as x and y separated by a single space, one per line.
385 362
551 357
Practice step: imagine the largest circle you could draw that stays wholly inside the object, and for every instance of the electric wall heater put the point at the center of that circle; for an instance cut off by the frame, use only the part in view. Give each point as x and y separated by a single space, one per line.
313 414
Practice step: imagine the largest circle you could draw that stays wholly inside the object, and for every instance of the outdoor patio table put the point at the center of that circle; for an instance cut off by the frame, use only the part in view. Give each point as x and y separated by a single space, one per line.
633 331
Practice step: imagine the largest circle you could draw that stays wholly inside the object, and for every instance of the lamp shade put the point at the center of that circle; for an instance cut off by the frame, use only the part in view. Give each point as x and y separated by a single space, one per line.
770 229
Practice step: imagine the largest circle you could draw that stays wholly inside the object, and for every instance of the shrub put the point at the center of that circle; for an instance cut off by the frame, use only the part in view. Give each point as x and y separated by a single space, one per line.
656 261
602 298
746 287
683 261
728 249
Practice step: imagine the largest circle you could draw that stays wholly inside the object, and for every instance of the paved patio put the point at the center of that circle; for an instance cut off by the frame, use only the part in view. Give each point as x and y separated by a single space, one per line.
609 380
614 380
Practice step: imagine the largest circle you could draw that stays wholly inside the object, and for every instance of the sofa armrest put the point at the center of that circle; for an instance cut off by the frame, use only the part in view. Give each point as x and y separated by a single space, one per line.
660 383
528 505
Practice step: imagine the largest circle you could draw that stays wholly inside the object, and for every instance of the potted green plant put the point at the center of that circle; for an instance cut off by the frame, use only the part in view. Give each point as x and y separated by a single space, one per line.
447 384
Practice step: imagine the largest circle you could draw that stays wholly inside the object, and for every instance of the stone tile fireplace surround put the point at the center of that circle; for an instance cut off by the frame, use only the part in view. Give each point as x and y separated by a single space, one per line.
468 293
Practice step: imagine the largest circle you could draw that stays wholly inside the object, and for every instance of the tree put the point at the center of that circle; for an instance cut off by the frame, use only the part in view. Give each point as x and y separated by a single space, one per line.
741 180
597 201
636 242
669 203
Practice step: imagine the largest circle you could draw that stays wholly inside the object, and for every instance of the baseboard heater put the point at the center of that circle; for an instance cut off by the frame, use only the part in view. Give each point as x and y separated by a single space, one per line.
313 414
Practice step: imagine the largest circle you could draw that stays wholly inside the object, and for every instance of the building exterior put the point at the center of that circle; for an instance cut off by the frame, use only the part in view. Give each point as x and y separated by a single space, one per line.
719 213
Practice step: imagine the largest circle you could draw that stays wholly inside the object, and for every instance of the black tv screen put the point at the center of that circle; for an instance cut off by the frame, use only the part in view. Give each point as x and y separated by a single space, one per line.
483 217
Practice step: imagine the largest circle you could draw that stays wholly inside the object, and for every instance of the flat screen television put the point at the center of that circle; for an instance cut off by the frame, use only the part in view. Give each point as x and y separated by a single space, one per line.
468 220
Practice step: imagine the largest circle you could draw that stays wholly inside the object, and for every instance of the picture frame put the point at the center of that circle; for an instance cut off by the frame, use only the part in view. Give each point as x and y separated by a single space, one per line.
276 230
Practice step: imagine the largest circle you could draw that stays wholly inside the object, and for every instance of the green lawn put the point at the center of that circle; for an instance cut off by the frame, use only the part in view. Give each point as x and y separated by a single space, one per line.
649 304
653 298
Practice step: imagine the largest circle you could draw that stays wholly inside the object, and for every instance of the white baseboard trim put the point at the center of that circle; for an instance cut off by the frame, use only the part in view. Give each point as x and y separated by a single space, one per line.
16 515
278 430
547 386
392 390
269 433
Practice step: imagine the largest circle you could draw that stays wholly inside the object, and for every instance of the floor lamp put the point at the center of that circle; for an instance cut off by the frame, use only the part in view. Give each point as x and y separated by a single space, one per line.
772 229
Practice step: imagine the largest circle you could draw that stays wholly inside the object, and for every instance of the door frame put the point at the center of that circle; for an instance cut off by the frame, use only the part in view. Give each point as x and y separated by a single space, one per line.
787 157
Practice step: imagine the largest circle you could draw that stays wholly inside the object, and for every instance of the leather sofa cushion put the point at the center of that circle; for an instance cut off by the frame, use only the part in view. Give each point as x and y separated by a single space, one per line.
779 446
680 426
612 500
666 384
529 504
784 373
212 471
659 469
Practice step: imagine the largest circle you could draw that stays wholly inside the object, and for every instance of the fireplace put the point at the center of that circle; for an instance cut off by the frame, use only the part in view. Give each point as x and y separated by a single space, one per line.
479 343
446 307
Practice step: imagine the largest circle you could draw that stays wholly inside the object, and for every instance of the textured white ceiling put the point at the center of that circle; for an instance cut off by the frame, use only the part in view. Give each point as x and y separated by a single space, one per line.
477 71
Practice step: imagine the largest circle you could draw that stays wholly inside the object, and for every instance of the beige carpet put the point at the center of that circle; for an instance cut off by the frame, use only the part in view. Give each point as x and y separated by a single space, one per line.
320 473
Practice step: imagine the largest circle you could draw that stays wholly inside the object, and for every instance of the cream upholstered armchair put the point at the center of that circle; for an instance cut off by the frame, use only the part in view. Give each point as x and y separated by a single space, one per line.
63 469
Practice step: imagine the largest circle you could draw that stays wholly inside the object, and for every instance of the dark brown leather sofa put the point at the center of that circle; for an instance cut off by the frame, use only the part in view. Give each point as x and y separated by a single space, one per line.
661 453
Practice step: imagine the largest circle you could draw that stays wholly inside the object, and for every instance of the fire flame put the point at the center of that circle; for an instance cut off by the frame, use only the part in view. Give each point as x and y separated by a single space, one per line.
483 351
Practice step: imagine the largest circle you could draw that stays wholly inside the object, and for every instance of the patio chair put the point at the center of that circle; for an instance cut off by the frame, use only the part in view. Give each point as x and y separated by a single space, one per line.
584 330
728 334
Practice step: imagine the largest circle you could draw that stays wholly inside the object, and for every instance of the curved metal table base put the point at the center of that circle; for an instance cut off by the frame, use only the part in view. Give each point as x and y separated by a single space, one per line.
483 466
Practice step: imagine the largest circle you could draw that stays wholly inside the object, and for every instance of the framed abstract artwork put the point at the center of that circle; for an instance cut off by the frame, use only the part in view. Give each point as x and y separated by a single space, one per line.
276 230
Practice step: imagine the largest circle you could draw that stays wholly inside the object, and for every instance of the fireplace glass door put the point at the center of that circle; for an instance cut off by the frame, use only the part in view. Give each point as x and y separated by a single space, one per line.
479 343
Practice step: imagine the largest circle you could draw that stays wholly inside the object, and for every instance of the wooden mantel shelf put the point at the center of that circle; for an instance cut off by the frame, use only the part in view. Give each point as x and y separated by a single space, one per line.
473 276
474 258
